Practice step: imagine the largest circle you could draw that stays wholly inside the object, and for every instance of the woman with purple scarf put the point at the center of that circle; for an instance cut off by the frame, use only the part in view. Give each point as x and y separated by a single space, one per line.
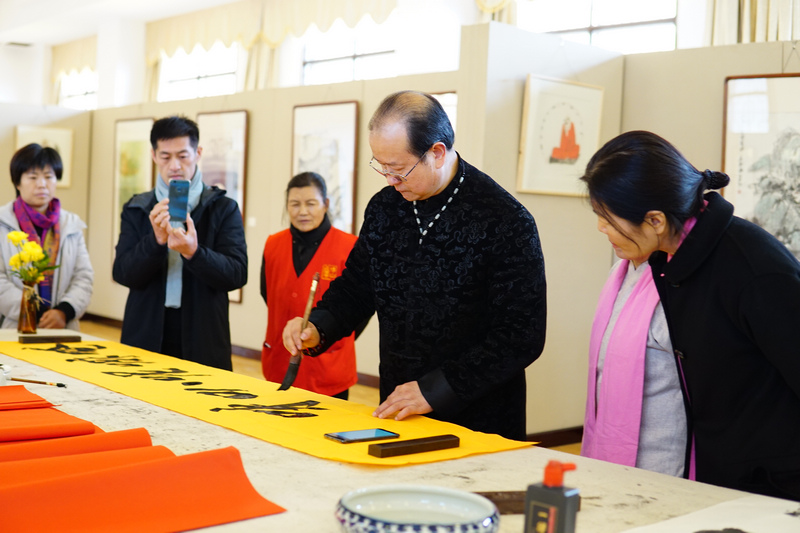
65 292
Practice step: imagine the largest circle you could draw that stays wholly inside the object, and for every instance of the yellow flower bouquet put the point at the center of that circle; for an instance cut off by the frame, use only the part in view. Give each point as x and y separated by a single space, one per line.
31 262
29 265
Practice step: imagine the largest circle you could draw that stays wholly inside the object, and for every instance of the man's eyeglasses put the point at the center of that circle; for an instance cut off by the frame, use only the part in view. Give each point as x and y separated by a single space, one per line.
377 167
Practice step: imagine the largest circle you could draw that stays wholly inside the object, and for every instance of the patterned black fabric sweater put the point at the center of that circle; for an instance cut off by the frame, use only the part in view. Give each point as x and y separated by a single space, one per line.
463 313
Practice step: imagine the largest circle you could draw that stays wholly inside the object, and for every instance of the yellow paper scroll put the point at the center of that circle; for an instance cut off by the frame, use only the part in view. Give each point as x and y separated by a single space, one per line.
294 418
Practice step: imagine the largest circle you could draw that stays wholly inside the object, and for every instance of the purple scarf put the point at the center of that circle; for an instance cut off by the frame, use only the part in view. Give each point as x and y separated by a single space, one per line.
29 219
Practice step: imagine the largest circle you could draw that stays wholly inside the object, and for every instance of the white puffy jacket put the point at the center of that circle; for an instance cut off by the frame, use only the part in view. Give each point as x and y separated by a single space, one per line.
72 281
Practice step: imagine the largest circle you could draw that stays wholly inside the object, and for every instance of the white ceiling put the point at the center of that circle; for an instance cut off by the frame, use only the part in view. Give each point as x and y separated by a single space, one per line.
49 22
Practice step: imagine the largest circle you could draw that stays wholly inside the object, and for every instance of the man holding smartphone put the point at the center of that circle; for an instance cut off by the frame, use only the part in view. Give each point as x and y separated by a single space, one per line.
179 273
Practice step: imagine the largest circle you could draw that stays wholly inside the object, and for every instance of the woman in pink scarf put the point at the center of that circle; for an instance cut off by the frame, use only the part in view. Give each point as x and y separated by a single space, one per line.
65 291
730 293
635 414
634 407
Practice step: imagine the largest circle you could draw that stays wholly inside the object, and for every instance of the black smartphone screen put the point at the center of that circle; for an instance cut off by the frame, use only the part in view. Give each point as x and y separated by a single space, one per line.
178 200
361 435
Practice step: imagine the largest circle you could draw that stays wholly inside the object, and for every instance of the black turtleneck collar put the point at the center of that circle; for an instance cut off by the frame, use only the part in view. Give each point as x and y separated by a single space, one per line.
305 244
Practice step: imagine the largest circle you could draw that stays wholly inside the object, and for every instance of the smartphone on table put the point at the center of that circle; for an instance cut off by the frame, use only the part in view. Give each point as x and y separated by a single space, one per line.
361 435
178 202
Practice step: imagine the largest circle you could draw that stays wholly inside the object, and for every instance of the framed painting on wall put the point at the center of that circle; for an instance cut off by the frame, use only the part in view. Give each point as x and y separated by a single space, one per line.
59 139
560 133
223 136
760 151
133 164
325 141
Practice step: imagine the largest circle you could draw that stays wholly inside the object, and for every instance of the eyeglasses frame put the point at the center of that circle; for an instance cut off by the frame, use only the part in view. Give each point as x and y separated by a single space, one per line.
393 174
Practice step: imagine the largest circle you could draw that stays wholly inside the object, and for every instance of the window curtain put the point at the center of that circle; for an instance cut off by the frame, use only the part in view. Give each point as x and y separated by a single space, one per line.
260 66
260 58
281 17
151 80
229 23
68 57
260 26
498 11
753 21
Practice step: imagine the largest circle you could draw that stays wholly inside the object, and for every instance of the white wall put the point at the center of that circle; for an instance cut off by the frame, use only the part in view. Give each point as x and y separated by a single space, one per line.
120 62
680 95
24 80
75 197
576 256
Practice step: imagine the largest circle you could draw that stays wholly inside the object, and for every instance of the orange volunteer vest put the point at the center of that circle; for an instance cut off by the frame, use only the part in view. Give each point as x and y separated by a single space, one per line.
335 370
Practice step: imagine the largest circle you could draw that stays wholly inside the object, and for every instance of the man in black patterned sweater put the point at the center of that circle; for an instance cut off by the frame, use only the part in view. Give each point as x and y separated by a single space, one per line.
452 264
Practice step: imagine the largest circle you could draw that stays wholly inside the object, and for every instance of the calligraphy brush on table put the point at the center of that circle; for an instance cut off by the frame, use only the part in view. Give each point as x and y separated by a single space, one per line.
40 382
294 361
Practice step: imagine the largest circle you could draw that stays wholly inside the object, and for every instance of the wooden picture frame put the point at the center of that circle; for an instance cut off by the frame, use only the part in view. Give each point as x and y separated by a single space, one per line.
325 140
133 164
761 139
59 139
223 136
560 133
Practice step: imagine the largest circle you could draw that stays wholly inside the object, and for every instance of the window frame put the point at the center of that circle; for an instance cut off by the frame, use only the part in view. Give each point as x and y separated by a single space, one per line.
237 69
592 28
64 97
351 58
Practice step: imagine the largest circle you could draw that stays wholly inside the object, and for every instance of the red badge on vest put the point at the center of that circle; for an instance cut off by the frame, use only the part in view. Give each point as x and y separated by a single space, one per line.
329 272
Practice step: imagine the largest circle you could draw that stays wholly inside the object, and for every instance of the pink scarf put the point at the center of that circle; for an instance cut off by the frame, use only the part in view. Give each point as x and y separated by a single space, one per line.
613 416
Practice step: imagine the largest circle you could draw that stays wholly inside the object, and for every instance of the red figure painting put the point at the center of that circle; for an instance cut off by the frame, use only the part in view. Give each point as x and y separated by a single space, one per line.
568 151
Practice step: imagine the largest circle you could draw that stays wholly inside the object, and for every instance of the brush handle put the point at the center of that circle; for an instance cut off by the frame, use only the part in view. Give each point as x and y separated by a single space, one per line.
38 382
294 361
310 302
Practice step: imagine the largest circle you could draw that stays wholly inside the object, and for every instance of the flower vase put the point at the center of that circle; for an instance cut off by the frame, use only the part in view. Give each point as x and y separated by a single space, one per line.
28 309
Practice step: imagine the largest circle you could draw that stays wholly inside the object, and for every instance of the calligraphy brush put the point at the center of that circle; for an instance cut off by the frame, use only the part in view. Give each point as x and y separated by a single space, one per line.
294 361
40 382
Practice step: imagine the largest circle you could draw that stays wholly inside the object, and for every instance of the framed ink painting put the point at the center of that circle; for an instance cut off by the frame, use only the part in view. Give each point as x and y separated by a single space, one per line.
223 136
325 140
760 152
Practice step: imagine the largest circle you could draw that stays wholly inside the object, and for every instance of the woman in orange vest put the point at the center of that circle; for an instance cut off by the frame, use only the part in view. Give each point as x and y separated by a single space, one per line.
291 257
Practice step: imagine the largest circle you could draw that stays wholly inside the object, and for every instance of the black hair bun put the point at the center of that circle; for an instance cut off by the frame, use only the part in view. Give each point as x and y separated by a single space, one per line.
715 180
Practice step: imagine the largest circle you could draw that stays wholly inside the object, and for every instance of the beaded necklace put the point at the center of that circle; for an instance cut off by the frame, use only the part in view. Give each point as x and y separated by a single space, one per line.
423 232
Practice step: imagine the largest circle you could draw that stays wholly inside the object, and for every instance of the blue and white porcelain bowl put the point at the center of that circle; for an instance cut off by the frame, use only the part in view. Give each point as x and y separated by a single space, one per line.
417 509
